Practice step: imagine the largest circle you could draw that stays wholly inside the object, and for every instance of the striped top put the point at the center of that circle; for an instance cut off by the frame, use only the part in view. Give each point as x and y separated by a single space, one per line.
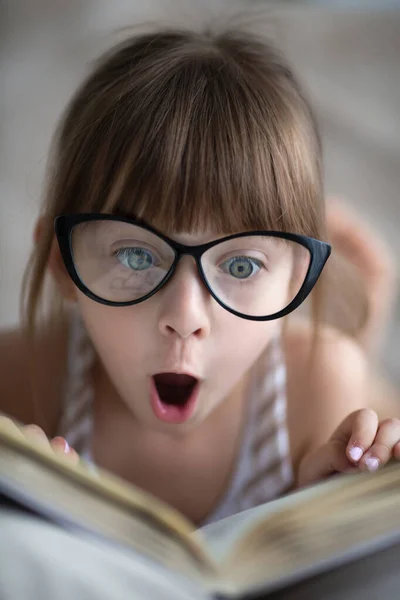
263 468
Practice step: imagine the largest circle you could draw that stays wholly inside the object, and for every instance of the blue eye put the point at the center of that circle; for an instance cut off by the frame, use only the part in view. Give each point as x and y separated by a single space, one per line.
242 267
137 259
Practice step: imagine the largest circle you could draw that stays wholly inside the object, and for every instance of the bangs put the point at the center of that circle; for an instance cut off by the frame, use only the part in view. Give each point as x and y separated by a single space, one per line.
191 134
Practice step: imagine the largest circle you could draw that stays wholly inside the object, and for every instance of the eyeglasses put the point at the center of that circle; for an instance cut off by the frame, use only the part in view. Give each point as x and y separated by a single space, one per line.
259 275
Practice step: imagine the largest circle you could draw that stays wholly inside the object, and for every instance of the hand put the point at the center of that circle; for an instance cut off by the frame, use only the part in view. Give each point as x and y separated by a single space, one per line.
360 442
58 445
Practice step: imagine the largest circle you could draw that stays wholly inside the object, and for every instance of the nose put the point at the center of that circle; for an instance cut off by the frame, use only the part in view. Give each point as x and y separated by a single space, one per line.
185 303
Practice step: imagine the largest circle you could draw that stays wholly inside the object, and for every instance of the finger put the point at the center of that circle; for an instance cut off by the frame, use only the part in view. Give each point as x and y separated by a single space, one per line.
61 446
325 461
364 429
36 434
382 450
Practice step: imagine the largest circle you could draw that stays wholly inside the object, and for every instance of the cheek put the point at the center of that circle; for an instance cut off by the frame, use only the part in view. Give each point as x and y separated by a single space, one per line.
117 333
299 267
243 341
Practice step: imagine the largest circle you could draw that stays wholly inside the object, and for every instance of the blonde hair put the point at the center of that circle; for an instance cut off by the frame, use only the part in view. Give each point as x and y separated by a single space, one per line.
189 131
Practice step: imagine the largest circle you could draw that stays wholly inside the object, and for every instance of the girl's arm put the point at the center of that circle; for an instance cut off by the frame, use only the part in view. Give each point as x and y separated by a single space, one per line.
325 385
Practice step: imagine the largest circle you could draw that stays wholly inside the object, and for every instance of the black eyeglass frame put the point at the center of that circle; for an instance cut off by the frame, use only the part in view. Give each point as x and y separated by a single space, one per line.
319 252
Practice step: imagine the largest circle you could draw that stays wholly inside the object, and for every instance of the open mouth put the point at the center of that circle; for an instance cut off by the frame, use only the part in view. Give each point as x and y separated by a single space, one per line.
173 396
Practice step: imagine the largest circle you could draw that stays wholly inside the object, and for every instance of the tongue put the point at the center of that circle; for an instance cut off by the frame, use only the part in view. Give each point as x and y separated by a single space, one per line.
174 388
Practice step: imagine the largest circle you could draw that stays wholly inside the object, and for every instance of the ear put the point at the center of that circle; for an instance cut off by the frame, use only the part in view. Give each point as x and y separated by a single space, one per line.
55 262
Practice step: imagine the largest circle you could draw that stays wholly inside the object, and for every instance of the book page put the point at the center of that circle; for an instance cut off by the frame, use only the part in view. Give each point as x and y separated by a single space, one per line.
76 498
221 536
339 520
78 566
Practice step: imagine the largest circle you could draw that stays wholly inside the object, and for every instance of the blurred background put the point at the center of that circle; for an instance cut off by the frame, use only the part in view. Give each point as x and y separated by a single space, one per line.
346 52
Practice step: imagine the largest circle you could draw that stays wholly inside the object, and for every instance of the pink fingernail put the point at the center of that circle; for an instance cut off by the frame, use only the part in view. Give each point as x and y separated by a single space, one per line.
372 463
356 453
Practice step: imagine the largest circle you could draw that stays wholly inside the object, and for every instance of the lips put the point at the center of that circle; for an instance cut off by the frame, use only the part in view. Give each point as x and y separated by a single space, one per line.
174 396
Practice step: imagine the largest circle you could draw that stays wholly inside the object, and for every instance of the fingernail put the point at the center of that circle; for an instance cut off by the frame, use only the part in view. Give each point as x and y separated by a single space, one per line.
372 463
356 453
61 445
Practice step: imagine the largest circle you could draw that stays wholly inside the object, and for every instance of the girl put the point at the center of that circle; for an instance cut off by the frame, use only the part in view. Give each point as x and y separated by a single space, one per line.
181 225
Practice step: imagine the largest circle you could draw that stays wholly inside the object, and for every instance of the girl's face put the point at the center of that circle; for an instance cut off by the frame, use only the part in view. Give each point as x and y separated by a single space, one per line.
176 356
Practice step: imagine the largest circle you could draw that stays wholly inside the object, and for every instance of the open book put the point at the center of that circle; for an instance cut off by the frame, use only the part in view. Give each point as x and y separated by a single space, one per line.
248 555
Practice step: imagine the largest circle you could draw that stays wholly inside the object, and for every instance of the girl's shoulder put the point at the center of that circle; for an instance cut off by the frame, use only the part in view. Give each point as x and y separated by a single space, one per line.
303 345
32 378
327 379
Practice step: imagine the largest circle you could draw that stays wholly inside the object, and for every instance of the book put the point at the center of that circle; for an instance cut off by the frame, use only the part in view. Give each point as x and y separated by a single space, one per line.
259 553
